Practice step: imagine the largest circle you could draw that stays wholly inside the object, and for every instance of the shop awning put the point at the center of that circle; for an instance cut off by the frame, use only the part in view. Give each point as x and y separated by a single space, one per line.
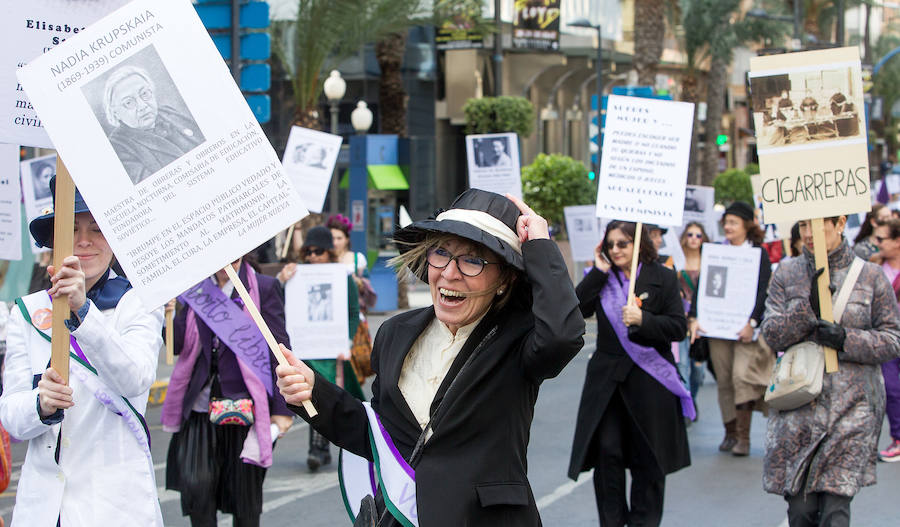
381 177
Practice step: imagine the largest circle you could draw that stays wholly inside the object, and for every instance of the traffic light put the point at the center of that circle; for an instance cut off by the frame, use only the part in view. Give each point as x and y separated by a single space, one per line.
721 139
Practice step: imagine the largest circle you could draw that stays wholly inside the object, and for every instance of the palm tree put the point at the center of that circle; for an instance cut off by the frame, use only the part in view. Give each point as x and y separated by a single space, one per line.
649 35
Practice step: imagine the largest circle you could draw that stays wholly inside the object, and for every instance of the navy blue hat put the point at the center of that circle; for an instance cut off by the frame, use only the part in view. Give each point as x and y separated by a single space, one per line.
42 227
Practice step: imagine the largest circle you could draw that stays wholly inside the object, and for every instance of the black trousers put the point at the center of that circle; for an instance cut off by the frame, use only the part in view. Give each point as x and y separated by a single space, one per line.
818 509
619 444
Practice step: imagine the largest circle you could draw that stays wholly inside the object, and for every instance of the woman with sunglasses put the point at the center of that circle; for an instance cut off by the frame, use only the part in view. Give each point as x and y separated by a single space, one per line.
692 239
318 248
887 237
633 403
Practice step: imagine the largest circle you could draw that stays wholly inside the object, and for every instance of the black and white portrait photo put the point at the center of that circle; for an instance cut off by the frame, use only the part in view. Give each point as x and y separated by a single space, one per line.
41 173
691 203
311 155
144 116
493 152
718 277
319 306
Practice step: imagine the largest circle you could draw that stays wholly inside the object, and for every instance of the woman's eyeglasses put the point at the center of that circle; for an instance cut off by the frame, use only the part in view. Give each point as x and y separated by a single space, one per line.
317 251
879 239
469 265
621 244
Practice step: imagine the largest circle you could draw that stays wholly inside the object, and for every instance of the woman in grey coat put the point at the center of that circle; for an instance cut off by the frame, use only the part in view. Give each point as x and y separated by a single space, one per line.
819 455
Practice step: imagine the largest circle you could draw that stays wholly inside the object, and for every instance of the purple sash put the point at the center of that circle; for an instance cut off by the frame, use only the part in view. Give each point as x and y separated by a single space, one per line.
233 327
613 297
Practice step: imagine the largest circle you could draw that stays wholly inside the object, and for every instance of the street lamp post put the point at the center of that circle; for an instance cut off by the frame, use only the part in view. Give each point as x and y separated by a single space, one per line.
358 193
583 22
334 88
361 118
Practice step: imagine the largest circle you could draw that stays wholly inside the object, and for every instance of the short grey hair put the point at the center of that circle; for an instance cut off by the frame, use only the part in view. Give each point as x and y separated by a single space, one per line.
114 79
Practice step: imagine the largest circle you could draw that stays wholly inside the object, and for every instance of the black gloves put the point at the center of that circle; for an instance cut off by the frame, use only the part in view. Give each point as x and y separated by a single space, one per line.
814 291
830 335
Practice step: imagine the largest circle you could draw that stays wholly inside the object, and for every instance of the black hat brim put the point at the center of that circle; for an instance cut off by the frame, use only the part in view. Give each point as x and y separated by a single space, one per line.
42 227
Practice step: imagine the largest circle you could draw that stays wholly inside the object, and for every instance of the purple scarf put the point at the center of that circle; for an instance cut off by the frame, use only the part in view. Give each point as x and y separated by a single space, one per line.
258 444
613 298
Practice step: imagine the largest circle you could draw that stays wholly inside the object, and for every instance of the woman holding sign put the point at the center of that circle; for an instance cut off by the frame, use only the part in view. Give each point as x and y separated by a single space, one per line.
456 383
819 455
633 403
742 366
221 403
88 460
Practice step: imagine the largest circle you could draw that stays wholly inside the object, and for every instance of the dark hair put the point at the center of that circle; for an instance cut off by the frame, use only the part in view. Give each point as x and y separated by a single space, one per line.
795 237
865 230
647 253
339 222
893 226
697 224
754 233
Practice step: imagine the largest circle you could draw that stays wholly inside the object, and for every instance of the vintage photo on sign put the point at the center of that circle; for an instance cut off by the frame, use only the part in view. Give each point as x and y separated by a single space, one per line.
802 107
144 116
718 279
42 171
319 308
492 152
312 155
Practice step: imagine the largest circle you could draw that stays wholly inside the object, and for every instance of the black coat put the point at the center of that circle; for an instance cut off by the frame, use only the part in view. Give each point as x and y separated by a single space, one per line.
656 410
473 470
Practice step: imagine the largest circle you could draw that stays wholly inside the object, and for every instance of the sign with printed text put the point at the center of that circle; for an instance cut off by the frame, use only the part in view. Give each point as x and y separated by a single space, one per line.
811 136
36 27
727 289
316 312
583 228
309 159
494 163
10 208
162 145
643 169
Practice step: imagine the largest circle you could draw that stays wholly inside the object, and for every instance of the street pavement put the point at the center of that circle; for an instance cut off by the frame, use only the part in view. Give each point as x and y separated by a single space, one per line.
716 490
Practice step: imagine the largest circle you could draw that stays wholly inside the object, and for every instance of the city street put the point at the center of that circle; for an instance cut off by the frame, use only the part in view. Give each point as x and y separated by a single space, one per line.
717 490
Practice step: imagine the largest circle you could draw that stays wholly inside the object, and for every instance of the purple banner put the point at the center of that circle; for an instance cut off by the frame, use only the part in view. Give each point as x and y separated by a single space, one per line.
233 326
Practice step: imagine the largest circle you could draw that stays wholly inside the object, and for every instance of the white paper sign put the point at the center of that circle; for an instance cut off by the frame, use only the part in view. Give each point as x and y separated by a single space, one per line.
646 146
30 28
727 289
583 228
162 145
671 246
309 159
699 206
494 163
36 174
10 207
315 310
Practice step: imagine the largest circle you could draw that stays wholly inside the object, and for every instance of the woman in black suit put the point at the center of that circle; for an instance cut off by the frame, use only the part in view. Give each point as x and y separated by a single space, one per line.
634 402
457 382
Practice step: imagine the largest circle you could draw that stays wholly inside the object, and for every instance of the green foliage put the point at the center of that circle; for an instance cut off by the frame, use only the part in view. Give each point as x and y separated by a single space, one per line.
489 115
712 28
752 169
553 182
733 185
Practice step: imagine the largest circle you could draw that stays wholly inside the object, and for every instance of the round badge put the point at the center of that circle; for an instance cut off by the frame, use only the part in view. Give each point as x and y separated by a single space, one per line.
42 318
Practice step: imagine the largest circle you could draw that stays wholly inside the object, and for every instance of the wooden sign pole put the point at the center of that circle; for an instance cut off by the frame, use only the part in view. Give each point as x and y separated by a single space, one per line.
635 256
63 241
288 241
821 257
263 327
170 337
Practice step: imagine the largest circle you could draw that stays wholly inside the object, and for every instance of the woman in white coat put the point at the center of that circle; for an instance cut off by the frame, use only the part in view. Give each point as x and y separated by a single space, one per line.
88 460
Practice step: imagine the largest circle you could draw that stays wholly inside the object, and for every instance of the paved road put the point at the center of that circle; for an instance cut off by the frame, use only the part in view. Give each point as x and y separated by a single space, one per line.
717 490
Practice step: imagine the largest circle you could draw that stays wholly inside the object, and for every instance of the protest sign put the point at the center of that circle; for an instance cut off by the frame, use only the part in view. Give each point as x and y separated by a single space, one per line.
309 159
671 247
36 174
811 135
727 289
494 163
162 145
643 171
10 208
583 228
699 206
30 29
315 309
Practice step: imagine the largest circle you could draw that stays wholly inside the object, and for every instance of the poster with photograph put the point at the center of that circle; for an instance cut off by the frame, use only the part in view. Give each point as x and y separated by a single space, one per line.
699 206
727 289
315 309
309 159
35 27
36 174
494 163
643 170
162 145
10 206
583 228
810 134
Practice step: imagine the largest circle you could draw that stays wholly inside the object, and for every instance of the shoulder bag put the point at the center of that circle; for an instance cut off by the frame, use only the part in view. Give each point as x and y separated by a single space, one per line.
799 372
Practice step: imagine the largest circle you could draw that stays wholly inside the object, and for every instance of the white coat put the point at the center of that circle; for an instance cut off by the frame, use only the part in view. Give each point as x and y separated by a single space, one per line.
104 477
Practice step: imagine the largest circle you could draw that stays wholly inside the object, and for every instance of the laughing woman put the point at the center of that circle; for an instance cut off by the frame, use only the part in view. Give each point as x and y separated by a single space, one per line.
456 383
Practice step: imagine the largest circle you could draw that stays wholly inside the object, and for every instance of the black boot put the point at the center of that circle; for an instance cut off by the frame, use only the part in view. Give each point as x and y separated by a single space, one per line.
314 457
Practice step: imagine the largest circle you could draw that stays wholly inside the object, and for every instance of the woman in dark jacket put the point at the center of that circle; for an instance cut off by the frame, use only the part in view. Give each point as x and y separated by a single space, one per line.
744 365
633 403
460 378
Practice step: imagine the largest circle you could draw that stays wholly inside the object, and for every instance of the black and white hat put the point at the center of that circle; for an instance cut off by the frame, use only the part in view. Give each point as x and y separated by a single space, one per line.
476 215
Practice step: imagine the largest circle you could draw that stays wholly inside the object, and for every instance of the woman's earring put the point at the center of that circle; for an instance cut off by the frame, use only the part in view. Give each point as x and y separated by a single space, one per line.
500 291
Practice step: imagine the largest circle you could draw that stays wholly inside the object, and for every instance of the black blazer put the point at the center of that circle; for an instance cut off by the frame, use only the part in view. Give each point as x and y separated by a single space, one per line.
473 470
656 410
